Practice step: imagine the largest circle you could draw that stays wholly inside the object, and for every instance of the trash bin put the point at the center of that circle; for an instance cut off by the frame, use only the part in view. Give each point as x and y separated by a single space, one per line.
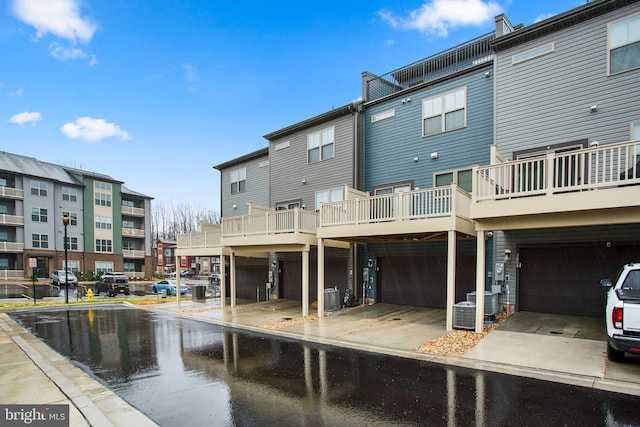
331 299
198 293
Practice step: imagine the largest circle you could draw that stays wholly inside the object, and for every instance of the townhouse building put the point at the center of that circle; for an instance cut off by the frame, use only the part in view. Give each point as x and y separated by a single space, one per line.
108 228
561 192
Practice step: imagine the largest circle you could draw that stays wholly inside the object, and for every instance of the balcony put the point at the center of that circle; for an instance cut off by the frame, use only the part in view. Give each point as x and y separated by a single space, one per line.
11 274
270 227
413 215
600 183
13 220
11 247
133 232
132 253
131 211
11 193
134 274
204 243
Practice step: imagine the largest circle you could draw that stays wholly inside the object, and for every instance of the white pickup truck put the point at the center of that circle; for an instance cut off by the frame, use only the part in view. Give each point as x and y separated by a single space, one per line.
623 312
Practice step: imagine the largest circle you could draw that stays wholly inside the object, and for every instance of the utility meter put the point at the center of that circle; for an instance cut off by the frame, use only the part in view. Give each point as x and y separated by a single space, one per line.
499 272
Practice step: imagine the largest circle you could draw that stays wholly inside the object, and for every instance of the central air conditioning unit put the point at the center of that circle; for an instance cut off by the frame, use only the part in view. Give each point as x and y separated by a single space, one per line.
464 315
490 302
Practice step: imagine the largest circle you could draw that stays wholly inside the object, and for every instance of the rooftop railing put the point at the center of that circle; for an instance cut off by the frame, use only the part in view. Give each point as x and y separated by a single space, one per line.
272 222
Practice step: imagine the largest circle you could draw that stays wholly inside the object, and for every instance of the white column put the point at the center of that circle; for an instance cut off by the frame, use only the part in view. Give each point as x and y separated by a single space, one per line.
451 277
320 277
305 282
223 281
232 267
480 284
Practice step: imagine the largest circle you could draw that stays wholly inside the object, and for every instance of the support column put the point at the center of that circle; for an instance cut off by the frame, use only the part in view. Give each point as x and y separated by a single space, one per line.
320 277
232 267
305 282
451 277
223 281
480 280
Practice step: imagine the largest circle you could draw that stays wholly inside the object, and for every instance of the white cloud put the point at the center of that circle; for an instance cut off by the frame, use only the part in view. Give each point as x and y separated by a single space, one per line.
65 53
26 117
439 16
91 129
58 17
17 92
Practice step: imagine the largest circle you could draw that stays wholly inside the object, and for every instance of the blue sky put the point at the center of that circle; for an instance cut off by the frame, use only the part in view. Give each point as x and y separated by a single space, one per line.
157 92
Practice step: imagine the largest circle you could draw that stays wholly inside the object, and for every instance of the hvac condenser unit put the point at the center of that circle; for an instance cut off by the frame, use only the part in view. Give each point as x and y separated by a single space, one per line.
490 302
464 315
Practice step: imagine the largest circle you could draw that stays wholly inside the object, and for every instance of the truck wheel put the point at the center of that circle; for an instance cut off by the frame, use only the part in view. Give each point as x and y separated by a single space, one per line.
614 355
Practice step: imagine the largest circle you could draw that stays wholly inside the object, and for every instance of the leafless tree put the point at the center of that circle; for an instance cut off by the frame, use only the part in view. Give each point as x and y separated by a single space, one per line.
169 221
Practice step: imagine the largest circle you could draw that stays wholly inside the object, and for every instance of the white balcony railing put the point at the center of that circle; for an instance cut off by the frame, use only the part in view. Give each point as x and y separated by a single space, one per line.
411 205
11 193
134 274
11 247
6 219
204 239
131 211
133 232
11 274
272 222
132 253
610 165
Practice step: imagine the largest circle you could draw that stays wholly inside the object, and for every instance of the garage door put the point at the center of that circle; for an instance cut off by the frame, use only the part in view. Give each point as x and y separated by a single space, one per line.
565 280
336 274
422 280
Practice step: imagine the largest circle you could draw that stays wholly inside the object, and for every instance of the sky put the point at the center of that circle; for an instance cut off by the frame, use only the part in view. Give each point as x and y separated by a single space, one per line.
156 93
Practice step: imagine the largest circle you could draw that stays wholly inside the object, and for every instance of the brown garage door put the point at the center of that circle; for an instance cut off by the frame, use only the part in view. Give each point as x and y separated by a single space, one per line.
422 280
565 279
336 274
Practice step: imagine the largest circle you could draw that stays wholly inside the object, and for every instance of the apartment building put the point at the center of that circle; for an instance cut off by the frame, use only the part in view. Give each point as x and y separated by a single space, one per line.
108 228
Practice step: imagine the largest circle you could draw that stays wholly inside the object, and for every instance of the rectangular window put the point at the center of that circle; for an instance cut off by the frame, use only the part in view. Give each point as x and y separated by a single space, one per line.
39 188
74 266
103 223
103 245
128 224
287 205
103 199
73 217
40 241
103 267
533 53
72 243
320 145
129 267
39 215
332 195
104 186
238 180
444 112
462 178
128 203
624 44
398 188
69 194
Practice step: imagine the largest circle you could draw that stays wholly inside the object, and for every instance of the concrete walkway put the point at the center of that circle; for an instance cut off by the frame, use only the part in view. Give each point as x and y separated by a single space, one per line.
32 373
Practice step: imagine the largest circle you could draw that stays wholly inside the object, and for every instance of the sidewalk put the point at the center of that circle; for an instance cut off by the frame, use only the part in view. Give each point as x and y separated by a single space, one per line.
32 373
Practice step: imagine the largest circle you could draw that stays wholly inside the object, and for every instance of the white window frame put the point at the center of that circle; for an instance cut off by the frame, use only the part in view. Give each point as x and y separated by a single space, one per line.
631 39
392 189
288 205
104 223
41 188
239 178
330 195
104 245
69 194
532 53
73 217
40 240
41 214
319 141
103 267
440 106
455 177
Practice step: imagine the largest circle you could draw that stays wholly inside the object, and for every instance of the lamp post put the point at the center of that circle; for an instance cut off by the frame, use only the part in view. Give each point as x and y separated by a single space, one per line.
65 221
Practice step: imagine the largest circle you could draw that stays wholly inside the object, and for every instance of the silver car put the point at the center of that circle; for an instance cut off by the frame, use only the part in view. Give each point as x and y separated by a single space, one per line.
58 278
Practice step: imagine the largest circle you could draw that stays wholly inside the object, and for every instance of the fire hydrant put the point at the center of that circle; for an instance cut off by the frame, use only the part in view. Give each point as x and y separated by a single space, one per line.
89 295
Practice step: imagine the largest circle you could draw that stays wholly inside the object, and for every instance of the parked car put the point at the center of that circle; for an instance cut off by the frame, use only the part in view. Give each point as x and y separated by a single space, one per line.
623 312
58 278
169 286
214 278
112 285
112 273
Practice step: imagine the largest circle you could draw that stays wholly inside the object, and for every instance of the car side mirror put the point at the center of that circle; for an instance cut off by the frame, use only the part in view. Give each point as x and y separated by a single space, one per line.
606 283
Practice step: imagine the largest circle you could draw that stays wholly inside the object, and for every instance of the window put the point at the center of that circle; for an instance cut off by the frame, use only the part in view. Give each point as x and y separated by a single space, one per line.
39 188
462 178
398 188
39 215
444 112
104 186
128 224
128 203
40 241
320 145
69 194
4 236
532 53
73 217
103 223
3 182
103 267
238 180
72 243
4 263
287 205
383 115
74 266
129 267
103 245
103 199
624 44
332 195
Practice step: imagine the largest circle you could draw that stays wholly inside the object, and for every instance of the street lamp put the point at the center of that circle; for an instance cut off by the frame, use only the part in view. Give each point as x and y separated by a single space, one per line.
65 221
